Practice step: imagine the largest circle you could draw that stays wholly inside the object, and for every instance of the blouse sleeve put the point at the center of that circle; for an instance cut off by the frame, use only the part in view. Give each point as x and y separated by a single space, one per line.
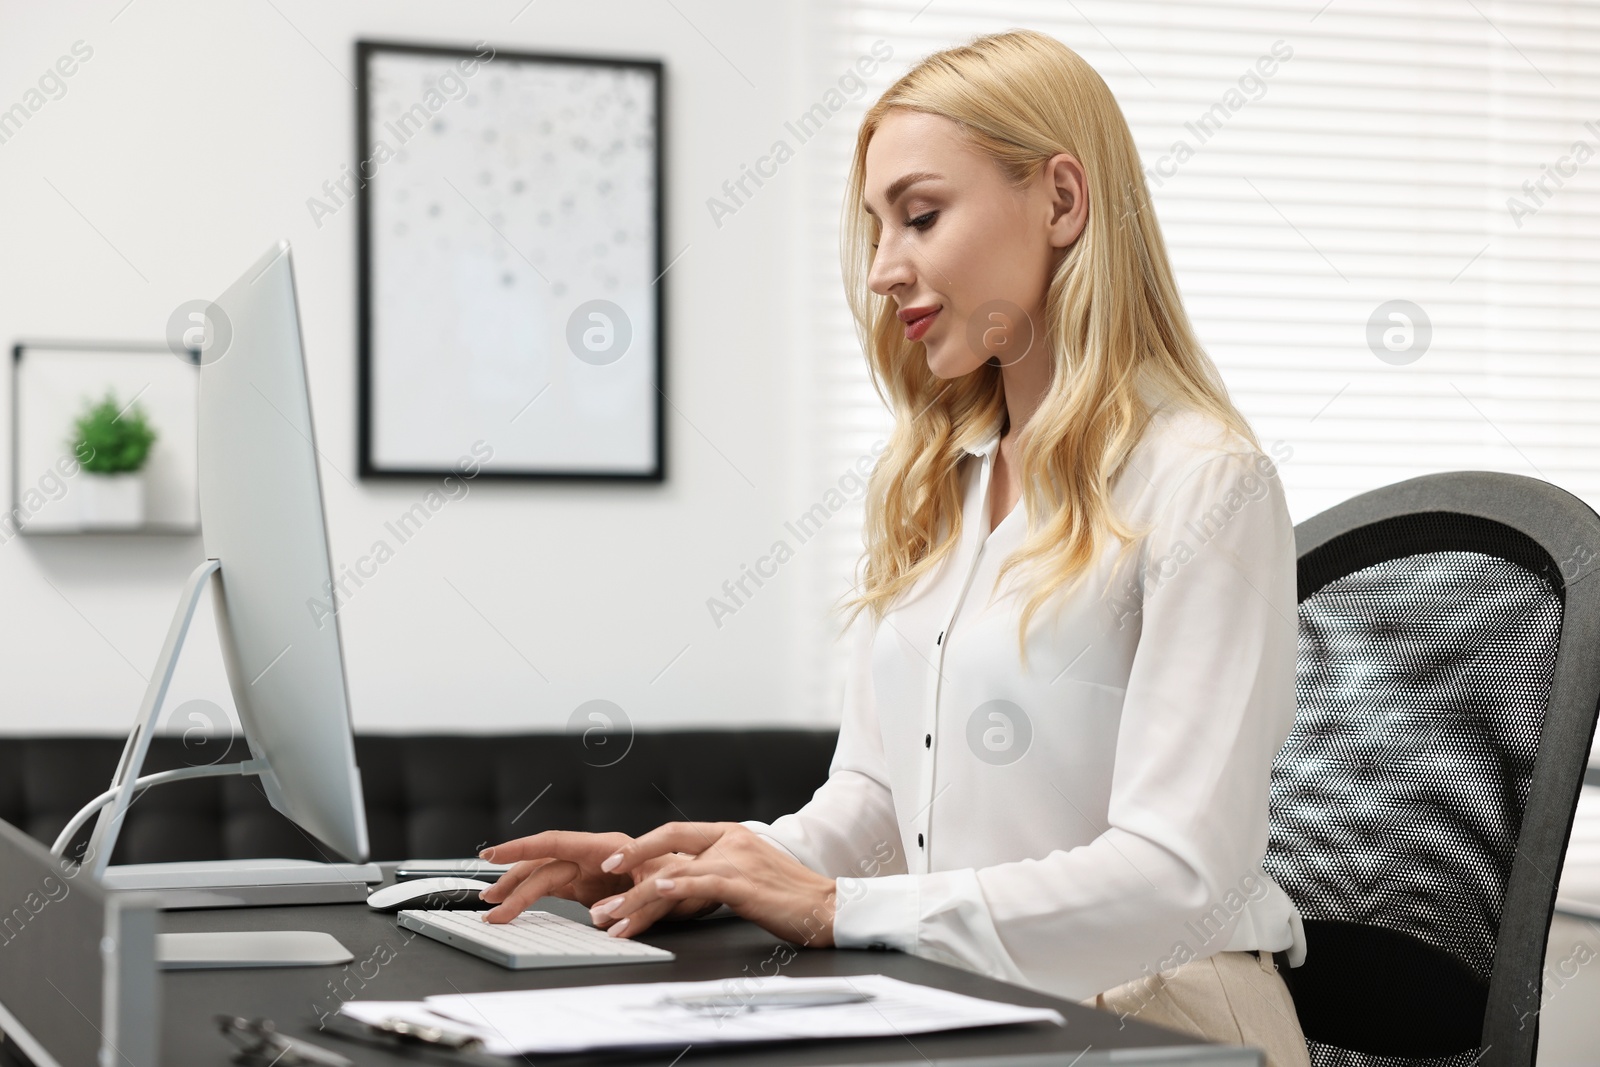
1209 700
848 827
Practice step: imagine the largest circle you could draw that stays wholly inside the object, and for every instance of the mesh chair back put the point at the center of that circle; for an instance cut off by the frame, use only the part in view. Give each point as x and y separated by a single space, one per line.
1423 800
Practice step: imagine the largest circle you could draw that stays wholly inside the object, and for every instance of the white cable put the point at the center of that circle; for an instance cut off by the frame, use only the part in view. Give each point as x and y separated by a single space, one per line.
145 782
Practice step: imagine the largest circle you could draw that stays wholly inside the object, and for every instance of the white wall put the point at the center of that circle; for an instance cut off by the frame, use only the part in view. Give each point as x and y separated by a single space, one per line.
1568 1030
189 141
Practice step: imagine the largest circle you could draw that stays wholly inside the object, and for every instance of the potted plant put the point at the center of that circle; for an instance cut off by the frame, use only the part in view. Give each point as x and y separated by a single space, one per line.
111 445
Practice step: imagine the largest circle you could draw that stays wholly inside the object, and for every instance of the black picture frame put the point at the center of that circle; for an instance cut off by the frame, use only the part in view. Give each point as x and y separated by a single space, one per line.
368 465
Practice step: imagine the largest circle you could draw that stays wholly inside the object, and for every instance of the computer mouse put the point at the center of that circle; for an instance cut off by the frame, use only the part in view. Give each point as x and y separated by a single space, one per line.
430 893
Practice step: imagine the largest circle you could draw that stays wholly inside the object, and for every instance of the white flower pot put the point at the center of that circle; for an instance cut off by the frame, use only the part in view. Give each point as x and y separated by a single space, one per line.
110 501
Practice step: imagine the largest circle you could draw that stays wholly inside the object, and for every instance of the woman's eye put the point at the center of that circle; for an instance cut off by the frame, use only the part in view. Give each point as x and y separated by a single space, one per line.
921 222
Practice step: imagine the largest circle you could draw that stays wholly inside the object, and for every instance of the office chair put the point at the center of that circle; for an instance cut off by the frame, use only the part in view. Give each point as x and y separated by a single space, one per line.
1448 681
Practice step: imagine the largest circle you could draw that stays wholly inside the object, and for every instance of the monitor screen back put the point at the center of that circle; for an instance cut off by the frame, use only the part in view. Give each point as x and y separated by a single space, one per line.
261 515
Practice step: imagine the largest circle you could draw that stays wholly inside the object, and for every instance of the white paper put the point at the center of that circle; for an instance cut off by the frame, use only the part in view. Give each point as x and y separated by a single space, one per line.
632 1015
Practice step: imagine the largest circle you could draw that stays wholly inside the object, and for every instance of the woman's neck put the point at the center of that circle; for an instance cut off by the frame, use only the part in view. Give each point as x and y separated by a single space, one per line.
1025 382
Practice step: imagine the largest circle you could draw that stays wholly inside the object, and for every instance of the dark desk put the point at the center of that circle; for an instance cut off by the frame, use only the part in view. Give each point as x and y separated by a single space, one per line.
395 964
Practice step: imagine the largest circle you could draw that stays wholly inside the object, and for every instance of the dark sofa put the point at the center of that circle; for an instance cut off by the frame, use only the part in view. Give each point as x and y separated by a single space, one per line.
427 796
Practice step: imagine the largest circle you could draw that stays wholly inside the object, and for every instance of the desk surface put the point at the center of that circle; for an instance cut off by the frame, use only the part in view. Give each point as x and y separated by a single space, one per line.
394 964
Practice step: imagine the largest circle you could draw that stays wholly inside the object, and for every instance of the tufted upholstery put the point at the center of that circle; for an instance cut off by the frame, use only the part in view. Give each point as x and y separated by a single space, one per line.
427 796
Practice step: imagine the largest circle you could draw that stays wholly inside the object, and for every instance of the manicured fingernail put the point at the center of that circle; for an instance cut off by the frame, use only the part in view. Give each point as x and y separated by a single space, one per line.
612 862
605 907
664 885
486 853
617 928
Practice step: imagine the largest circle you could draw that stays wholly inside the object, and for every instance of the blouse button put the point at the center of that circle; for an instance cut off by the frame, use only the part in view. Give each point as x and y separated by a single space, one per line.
927 740
919 840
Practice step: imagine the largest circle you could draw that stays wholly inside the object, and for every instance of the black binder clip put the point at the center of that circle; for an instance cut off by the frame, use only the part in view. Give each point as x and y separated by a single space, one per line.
417 1040
260 1044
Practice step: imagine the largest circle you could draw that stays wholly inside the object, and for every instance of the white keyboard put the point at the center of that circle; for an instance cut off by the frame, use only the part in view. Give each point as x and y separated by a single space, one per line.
532 939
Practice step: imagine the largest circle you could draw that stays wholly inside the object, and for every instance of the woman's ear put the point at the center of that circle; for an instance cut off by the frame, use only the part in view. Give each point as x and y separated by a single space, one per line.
1069 199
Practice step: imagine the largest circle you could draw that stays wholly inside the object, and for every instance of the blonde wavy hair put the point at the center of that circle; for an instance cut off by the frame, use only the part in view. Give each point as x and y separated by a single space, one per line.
1112 318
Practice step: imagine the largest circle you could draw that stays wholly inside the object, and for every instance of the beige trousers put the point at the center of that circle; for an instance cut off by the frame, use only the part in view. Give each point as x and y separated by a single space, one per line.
1236 998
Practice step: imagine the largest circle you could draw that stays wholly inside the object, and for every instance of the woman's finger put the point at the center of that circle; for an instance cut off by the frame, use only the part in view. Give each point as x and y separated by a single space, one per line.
639 921
690 837
613 909
582 848
511 879
536 885
722 888
646 893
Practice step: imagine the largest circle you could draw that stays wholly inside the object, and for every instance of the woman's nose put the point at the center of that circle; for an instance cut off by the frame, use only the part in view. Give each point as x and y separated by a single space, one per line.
889 268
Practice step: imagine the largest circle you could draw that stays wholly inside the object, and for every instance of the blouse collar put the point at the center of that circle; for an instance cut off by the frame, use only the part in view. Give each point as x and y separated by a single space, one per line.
985 447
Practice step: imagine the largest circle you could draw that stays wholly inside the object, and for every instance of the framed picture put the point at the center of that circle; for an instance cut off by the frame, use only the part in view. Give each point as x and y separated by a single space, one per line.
104 439
510 263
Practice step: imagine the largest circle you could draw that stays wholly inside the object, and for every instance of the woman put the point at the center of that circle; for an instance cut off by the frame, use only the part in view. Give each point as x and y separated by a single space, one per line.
1060 717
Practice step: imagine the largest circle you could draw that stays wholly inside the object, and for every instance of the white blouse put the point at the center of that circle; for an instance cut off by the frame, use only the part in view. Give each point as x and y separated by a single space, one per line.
1101 815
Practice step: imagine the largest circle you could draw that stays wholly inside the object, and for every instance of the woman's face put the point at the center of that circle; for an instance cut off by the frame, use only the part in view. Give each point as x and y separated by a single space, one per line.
960 244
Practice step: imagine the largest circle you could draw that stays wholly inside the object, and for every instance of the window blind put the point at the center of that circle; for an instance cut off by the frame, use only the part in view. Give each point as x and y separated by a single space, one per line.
1382 215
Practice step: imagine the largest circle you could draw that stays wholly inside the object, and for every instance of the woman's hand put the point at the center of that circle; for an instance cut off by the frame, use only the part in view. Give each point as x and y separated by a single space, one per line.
717 863
566 864
556 863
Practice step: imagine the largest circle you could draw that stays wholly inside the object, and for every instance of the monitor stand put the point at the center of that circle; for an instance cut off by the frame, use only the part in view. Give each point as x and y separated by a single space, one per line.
211 884
253 883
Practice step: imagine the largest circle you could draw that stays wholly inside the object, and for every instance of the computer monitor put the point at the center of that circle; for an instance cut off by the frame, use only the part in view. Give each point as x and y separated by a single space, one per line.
261 514
268 562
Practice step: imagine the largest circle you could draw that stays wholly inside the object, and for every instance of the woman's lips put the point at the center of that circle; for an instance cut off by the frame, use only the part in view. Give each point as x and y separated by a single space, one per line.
917 327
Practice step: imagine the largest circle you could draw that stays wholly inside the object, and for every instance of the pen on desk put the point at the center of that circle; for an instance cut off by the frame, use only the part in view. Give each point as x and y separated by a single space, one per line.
798 998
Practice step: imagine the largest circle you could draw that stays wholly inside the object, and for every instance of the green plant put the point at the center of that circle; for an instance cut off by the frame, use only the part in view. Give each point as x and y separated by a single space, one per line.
108 440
